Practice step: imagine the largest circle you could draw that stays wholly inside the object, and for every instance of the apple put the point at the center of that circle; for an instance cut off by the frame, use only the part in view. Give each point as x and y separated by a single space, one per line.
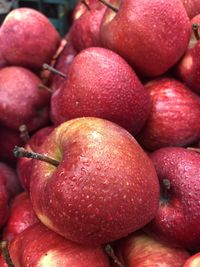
192 7
95 164
151 35
101 84
175 116
39 246
28 38
24 165
9 187
193 261
81 7
177 219
21 216
139 249
21 101
85 31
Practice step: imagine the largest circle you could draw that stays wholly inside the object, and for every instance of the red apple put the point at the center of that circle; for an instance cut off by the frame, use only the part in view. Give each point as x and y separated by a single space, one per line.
81 7
101 165
101 84
151 35
28 38
24 165
21 101
177 219
140 250
21 216
175 116
192 7
39 246
193 261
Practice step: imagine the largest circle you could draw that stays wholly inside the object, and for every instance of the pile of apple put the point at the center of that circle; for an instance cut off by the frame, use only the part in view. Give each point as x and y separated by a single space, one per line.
100 136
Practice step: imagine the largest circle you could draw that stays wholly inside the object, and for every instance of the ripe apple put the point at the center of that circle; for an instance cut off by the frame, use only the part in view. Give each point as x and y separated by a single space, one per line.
193 261
175 116
21 101
192 7
21 216
101 84
24 165
39 246
101 165
140 250
9 187
28 38
177 219
151 35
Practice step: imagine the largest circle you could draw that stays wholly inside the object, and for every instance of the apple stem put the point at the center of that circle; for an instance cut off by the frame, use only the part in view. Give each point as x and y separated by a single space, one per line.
20 152
110 252
5 253
24 134
115 9
55 71
42 86
195 28
195 149
86 4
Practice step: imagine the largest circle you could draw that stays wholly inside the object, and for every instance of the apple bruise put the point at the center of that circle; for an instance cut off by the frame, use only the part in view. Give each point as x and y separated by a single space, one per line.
95 171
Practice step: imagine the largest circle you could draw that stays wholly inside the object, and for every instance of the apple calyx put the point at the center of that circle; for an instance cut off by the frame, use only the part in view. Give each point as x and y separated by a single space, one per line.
24 134
52 69
85 4
110 252
44 87
195 149
5 253
165 187
20 152
113 8
195 28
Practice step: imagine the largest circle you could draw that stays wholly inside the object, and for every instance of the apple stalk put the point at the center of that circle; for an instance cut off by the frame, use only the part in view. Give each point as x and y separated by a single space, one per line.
24 134
195 28
110 252
55 71
20 152
5 253
195 149
86 4
115 9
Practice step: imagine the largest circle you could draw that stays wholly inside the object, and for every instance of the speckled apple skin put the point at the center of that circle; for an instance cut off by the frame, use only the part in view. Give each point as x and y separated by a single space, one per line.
175 116
150 35
21 101
21 216
177 219
141 250
39 246
101 84
104 188
28 38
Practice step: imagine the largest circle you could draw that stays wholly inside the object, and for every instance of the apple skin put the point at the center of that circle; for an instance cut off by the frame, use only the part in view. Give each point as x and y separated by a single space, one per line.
9 187
141 250
110 90
39 246
193 261
175 116
21 216
21 101
192 7
101 165
24 165
85 31
28 38
151 35
177 219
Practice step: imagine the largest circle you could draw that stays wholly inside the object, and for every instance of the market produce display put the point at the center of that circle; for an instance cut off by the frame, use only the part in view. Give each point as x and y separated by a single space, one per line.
100 136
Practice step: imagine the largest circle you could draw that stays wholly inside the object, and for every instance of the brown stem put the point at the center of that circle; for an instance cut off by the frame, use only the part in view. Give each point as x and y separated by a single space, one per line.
114 8
110 252
195 28
86 5
55 71
196 149
20 152
5 253
44 87
24 134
